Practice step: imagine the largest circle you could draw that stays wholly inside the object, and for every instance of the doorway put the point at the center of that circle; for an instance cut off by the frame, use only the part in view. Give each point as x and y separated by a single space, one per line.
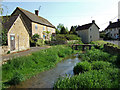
12 42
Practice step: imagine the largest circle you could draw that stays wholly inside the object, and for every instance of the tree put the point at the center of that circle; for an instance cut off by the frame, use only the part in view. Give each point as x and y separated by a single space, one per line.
4 37
57 31
73 30
63 31
60 26
3 31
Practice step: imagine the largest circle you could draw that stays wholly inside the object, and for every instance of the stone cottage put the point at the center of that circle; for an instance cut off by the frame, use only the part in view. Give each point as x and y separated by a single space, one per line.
113 29
22 25
88 32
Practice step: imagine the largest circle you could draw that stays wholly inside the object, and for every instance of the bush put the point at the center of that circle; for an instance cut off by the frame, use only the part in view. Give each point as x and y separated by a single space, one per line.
16 79
72 37
98 55
82 67
35 36
40 42
32 43
67 37
97 65
91 79
8 52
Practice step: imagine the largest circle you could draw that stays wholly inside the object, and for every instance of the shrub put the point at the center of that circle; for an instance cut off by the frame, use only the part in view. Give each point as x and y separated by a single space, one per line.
97 55
32 42
8 52
91 79
40 42
16 79
35 36
96 65
82 67
72 37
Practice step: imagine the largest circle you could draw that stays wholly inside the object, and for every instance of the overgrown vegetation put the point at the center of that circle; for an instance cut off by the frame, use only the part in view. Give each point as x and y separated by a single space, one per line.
100 44
98 69
36 40
64 39
27 66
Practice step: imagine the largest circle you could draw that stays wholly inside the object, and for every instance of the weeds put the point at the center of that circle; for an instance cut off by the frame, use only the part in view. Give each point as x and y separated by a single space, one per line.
98 69
28 66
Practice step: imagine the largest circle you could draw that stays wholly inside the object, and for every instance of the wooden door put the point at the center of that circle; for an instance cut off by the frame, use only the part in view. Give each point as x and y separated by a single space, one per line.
12 42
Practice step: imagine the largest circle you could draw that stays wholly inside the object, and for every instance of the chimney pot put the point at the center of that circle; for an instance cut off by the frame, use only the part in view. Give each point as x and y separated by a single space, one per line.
118 20
110 22
93 21
36 12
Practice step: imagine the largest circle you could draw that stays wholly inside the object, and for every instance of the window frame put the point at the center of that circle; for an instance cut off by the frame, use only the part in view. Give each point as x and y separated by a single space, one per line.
36 27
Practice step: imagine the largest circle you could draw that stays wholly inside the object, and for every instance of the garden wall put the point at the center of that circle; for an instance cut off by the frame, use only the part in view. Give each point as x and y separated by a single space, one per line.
4 49
111 49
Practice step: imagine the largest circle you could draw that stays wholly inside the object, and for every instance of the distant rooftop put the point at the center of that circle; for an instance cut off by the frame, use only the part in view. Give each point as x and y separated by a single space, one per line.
86 26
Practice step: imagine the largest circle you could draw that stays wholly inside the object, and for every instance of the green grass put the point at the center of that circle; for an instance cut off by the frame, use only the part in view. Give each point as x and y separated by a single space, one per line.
98 69
28 66
91 79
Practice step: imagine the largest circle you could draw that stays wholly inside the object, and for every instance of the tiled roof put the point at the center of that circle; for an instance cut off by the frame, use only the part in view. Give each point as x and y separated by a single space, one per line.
83 27
86 26
113 25
7 21
33 17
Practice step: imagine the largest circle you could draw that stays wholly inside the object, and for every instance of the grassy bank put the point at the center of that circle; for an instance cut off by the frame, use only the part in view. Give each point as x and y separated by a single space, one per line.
98 69
101 43
22 68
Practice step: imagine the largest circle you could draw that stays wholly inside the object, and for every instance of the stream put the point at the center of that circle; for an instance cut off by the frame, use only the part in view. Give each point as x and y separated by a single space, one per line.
47 79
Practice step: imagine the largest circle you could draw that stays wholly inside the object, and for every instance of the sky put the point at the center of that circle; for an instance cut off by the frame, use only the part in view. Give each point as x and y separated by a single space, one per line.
69 12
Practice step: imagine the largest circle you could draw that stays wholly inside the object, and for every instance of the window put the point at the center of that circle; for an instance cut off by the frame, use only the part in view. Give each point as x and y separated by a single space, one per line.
36 26
43 28
43 36
51 31
90 29
48 29
90 36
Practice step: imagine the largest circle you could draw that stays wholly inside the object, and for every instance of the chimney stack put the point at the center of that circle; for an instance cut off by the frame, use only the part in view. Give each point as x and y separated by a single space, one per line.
110 22
36 12
118 20
93 21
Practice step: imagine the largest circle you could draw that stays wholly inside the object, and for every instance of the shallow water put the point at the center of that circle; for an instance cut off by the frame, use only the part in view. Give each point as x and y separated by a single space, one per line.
46 79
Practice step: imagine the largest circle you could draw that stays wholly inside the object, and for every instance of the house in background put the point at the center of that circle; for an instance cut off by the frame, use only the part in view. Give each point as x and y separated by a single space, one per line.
88 32
23 24
113 29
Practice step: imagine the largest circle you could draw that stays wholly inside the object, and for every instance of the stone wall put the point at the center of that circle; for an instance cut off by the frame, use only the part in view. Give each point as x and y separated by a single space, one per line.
4 49
21 35
111 49
93 33
41 29
84 35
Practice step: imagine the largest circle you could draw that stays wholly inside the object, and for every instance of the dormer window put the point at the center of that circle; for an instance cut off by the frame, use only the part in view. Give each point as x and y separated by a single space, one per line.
90 29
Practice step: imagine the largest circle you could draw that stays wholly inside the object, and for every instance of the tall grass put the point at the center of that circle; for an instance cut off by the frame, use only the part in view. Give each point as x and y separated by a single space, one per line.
28 66
98 69
91 79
